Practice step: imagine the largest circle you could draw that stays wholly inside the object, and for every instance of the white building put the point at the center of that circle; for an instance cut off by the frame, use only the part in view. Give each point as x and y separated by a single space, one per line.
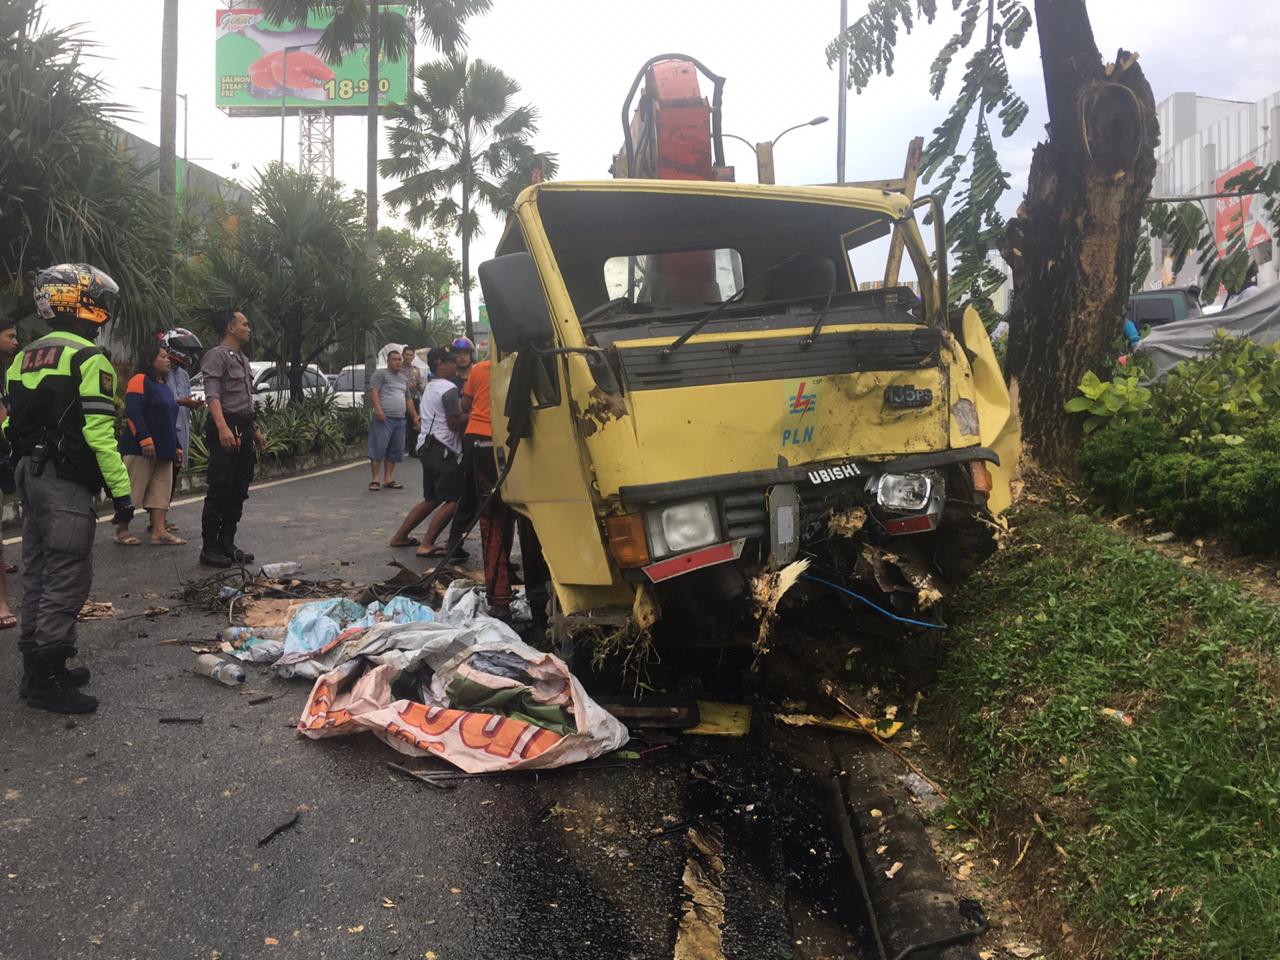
1204 141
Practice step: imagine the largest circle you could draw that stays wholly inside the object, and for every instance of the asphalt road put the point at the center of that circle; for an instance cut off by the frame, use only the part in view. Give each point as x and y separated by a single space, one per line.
123 837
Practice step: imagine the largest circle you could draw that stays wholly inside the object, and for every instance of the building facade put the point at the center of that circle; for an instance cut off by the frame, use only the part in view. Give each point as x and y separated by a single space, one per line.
1204 142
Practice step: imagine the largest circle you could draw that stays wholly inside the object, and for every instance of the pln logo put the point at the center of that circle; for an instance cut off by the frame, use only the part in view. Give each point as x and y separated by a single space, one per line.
799 404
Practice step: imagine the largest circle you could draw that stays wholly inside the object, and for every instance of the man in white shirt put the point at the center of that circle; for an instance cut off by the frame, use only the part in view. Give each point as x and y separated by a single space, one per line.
440 450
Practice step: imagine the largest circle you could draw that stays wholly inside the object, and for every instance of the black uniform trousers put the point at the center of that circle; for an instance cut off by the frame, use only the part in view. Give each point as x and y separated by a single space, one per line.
230 473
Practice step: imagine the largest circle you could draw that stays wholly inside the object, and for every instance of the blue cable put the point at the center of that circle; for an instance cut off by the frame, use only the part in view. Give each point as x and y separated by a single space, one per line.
874 606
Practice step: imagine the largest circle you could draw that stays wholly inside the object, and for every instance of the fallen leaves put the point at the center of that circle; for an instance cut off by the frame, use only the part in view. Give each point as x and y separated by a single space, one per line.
388 903
96 610
358 928
893 871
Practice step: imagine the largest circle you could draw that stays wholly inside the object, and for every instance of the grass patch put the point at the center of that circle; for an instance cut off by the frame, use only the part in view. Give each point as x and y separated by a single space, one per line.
1171 825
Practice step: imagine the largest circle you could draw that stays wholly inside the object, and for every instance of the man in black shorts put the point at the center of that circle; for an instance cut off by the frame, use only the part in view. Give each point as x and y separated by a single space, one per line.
440 450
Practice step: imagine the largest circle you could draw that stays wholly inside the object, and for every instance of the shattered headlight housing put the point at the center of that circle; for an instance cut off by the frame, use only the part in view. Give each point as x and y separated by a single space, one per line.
679 527
903 492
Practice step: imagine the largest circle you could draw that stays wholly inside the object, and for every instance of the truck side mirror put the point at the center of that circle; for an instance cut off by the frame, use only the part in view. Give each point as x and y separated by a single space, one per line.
517 305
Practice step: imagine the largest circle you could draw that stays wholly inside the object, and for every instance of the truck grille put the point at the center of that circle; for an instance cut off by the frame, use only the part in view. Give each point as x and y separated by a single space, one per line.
699 364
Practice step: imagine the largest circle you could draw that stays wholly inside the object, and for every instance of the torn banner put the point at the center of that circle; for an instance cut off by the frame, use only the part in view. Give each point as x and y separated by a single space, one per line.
492 703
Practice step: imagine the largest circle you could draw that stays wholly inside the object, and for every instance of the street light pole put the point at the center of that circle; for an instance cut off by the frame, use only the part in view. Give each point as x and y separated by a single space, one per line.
842 100
764 151
284 93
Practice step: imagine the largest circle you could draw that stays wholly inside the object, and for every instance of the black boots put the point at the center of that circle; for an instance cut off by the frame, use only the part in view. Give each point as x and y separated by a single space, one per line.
47 684
229 547
220 548
78 676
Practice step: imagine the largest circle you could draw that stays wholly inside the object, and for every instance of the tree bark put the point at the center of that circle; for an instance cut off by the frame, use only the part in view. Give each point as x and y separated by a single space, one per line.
168 134
1072 244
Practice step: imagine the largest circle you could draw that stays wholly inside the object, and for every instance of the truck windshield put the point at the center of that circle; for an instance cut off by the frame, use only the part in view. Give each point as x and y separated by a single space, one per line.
690 276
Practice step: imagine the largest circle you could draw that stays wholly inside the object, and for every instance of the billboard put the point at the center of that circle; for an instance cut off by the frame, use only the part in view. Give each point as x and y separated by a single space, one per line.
1237 213
261 66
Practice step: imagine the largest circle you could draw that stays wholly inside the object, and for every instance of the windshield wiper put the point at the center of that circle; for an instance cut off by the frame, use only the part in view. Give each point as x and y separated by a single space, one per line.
813 334
719 308
681 340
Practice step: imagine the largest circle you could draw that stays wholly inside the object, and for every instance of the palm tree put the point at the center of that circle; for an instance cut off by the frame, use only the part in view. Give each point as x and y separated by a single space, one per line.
358 23
455 144
296 264
67 192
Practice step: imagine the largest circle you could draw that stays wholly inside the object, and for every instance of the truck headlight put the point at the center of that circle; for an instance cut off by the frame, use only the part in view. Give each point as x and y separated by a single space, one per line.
678 527
904 491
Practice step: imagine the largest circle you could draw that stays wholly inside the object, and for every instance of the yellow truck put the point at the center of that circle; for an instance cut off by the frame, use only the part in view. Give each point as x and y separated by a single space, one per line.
693 391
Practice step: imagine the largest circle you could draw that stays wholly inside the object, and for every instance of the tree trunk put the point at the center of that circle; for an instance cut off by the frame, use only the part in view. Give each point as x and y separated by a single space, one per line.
168 134
466 264
296 364
1072 244
371 171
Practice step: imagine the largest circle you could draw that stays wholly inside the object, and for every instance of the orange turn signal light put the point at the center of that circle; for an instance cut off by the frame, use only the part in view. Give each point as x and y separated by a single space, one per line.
627 543
981 477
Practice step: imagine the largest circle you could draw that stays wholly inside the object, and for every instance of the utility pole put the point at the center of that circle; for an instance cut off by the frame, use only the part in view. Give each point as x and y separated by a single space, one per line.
168 133
842 101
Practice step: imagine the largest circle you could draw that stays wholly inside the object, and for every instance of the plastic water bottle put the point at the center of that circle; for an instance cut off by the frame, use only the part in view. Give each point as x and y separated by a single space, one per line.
207 665
277 570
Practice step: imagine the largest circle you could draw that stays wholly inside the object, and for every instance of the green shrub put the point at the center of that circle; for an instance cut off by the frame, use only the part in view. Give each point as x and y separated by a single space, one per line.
1109 458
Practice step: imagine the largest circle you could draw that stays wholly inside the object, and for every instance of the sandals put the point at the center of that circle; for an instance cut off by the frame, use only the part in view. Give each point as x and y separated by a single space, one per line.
8 621
434 553
406 542
168 540
394 485
128 540
374 486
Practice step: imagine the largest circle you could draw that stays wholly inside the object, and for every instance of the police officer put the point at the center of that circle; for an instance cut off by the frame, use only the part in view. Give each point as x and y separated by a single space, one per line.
61 428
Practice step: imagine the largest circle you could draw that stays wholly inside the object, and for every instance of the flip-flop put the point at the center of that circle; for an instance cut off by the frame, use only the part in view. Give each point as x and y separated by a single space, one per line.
169 541
375 485
435 553
393 485
128 540
8 622
10 568
406 542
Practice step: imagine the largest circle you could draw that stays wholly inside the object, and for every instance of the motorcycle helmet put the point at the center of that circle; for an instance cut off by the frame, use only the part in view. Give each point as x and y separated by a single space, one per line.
462 345
183 346
76 290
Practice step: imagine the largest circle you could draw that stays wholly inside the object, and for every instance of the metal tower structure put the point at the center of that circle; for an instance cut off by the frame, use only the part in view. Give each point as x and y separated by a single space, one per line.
315 142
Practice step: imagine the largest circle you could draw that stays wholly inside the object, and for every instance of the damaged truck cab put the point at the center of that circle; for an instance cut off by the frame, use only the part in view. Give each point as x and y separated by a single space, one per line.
692 388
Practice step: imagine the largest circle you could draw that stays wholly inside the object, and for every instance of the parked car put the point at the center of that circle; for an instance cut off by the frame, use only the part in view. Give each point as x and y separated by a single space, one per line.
269 381
1155 308
349 387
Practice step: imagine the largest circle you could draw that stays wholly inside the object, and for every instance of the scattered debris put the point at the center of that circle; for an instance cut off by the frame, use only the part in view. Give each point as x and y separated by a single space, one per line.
208 665
721 719
1161 537
182 719
1119 716
699 935
477 667
96 610
923 791
847 523
154 612
893 871
668 712
288 825
848 724
767 591
254 701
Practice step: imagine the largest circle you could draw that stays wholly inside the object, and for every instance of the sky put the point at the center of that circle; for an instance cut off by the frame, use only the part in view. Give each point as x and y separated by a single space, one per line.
575 60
